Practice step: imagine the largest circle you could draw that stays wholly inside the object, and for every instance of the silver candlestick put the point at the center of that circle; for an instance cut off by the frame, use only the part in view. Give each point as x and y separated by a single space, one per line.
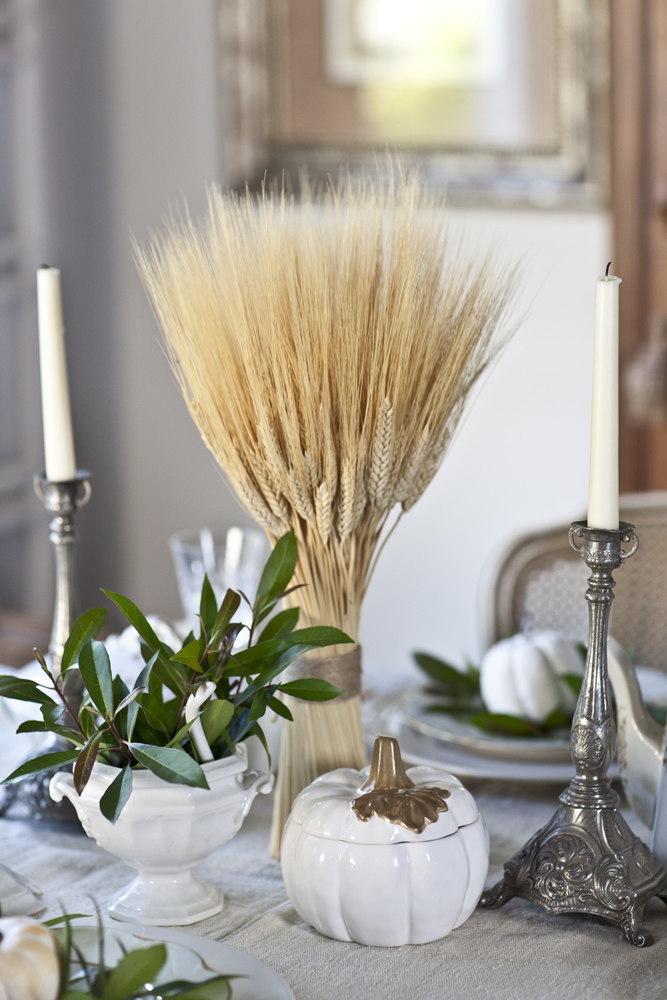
29 798
586 859
63 500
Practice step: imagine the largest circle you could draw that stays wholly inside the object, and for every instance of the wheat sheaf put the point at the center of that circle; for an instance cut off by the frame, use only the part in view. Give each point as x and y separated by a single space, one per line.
326 346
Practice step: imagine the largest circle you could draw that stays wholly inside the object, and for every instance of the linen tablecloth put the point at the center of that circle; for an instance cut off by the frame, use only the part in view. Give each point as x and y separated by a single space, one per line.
510 954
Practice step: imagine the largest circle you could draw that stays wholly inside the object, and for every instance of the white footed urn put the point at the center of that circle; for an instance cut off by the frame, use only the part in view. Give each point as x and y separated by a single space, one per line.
384 856
164 831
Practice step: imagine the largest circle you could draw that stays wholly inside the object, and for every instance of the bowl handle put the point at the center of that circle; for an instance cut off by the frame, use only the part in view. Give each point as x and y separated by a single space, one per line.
255 782
62 786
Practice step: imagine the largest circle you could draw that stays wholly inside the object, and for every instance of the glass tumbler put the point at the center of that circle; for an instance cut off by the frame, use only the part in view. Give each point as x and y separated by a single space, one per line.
234 559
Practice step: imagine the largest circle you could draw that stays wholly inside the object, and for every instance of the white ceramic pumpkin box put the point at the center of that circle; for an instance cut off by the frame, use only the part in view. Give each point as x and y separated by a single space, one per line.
384 857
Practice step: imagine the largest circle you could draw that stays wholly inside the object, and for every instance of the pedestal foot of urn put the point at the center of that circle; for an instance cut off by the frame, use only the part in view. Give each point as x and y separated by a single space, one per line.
166 899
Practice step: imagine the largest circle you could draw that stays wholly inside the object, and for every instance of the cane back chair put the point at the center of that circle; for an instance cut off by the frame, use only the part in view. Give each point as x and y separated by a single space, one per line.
540 584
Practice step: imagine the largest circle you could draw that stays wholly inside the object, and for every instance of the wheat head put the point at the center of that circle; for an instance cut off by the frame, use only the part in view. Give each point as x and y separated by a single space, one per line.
326 347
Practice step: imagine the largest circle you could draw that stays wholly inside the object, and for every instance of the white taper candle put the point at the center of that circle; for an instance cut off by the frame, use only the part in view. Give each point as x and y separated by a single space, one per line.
603 479
58 439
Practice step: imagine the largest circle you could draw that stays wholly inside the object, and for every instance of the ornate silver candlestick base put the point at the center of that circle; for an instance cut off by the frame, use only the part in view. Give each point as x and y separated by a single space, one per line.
29 798
586 859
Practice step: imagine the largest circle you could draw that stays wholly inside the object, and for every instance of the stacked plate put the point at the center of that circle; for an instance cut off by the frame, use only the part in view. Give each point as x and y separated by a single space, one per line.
437 739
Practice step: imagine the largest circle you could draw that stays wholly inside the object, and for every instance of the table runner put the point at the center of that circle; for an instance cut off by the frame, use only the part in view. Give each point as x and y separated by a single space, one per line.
510 954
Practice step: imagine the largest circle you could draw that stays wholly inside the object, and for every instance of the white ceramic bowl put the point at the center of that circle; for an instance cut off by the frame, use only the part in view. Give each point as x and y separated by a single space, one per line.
164 831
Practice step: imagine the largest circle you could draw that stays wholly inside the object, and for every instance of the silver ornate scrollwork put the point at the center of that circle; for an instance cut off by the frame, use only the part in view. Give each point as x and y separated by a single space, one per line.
587 860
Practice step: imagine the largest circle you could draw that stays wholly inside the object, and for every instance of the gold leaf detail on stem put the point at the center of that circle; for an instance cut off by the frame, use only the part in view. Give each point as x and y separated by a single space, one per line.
411 808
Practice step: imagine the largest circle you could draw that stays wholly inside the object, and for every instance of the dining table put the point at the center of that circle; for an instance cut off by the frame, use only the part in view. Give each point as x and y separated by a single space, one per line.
517 952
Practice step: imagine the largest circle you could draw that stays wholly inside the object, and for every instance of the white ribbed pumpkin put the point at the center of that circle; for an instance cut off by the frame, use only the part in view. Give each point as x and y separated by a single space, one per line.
29 967
523 675
376 882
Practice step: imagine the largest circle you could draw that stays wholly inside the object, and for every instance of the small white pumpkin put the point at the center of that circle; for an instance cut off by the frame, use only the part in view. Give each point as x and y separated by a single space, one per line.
523 675
387 857
29 967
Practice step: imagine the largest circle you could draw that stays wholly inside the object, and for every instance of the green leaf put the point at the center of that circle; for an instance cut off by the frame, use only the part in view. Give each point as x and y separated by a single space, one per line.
319 635
33 726
505 725
228 608
212 989
262 651
462 708
182 733
558 719
95 670
215 718
574 681
133 971
154 711
63 918
140 684
87 626
258 707
47 762
280 708
658 713
85 761
164 671
135 617
128 699
447 676
474 673
279 569
311 689
189 655
53 713
120 692
257 731
170 764
116 795
21 689
282 623
276 666
208 605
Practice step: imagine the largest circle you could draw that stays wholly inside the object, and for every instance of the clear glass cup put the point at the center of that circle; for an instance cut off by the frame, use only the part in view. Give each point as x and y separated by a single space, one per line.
234 559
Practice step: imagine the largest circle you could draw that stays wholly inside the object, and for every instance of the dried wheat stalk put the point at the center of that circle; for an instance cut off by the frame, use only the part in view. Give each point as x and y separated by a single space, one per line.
326 348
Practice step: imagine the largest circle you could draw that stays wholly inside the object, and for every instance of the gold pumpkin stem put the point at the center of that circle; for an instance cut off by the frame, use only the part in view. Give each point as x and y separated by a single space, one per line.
387 770
390 795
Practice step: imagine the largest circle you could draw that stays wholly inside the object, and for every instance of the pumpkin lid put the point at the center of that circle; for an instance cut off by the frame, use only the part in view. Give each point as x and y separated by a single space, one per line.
384 804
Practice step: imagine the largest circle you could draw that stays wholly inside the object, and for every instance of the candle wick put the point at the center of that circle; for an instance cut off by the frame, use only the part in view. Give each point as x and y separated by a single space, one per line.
44 267
606 273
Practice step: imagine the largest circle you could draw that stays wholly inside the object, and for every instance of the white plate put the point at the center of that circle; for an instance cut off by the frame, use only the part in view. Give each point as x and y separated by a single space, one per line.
190 957
416 702
383 716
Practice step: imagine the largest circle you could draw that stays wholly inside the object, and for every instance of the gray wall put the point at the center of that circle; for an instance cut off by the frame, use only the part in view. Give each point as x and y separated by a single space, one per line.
128 95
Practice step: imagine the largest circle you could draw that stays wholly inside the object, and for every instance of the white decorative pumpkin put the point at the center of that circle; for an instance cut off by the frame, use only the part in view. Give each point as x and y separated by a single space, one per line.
29 967
523 675
387 857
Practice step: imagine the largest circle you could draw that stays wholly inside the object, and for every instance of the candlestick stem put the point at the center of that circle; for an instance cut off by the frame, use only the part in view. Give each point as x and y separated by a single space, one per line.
586 859
63 500
29 798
